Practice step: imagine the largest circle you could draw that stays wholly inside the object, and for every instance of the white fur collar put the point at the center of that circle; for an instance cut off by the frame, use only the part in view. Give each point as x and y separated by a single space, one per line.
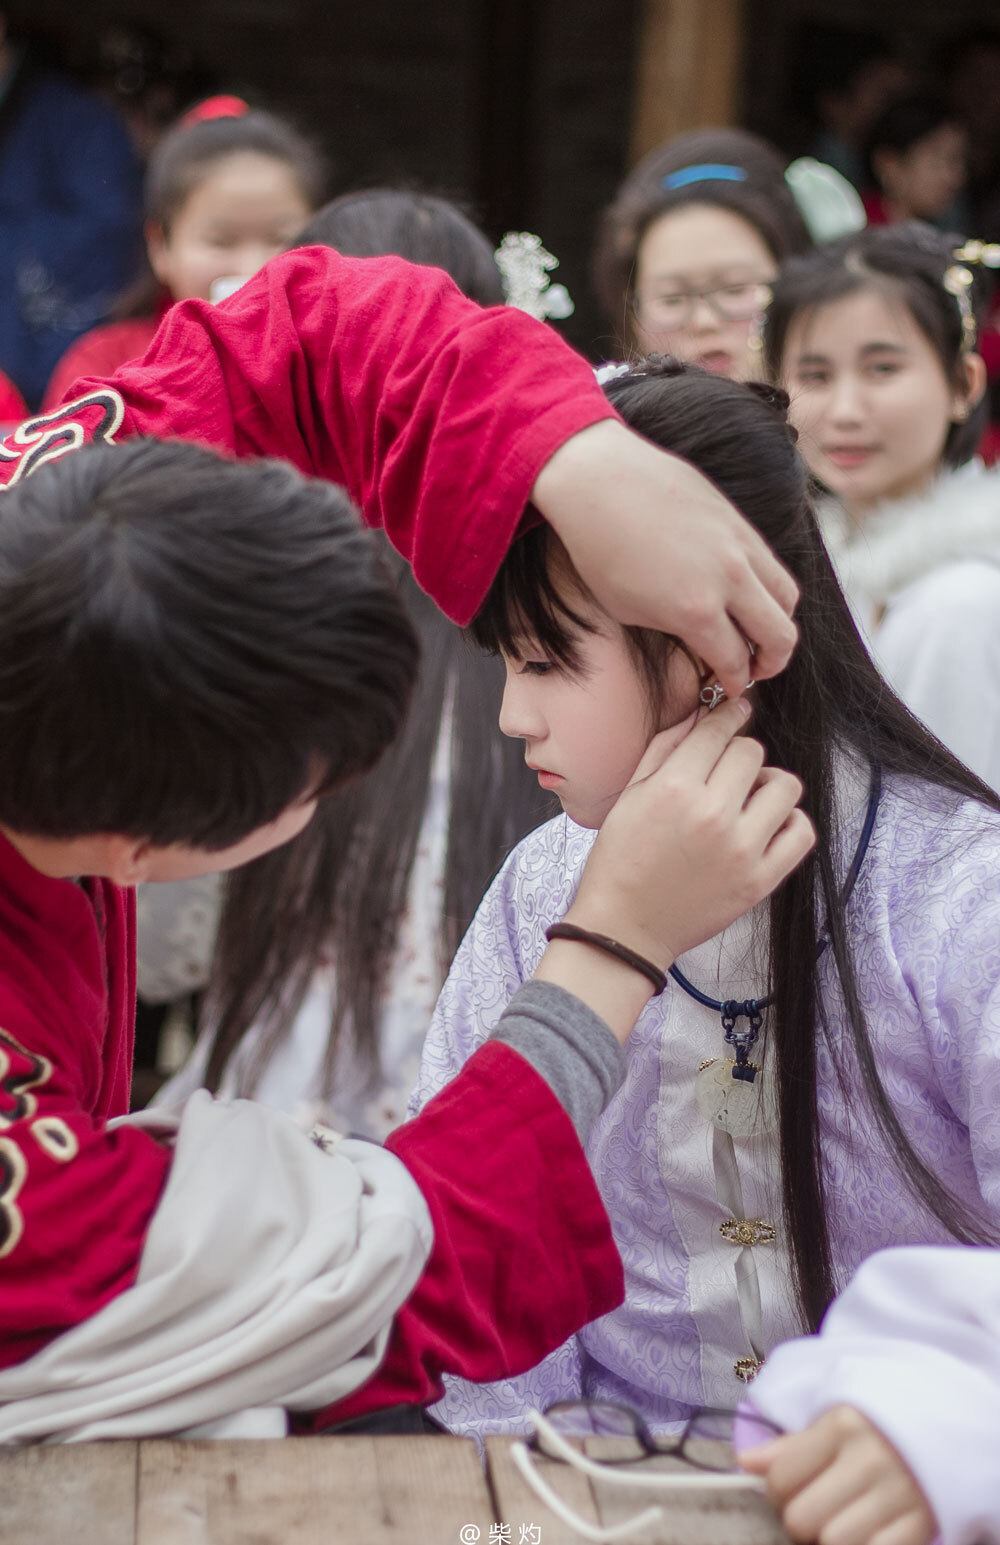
957 517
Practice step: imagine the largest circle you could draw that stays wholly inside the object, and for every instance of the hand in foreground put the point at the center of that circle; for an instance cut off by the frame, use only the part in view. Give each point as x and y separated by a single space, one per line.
660 547
701 834
840 1482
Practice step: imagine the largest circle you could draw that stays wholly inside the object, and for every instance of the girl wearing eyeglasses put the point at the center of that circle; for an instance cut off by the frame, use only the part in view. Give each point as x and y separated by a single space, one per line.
689 247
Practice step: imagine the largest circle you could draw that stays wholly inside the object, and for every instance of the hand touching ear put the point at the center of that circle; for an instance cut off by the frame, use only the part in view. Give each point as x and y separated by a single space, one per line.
660 547
702 833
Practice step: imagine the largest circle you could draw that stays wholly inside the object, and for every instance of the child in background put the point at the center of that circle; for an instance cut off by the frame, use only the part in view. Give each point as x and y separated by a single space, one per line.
916 157
689 246
332 951
226 189
875 340
863 1012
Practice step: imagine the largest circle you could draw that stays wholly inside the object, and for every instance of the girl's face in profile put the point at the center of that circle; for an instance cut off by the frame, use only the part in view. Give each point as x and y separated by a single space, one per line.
585 730
245 209
870 398
701 287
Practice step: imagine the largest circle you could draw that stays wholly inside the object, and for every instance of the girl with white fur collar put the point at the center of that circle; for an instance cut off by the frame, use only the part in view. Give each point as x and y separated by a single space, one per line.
874 339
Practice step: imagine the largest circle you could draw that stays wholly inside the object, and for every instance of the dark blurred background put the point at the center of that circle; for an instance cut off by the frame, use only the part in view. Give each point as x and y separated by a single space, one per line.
531 110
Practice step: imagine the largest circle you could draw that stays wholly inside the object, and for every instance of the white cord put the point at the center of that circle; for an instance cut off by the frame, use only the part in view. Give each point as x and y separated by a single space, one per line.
530 1472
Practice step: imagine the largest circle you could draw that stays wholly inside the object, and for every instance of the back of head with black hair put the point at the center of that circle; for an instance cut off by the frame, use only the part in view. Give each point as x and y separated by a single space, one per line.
828 703
907 263
187 645
760 196
419 226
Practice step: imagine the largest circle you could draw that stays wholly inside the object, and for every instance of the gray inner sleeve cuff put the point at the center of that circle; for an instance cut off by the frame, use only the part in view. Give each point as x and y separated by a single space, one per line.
569 1045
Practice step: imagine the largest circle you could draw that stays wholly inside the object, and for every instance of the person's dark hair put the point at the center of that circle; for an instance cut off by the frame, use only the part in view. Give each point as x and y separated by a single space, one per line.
188 645
903 124
907 264
829 703
761 197
339 891
189 151
419 226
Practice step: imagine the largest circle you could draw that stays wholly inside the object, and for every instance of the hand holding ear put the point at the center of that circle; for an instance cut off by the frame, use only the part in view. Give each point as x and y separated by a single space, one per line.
703 832
660 547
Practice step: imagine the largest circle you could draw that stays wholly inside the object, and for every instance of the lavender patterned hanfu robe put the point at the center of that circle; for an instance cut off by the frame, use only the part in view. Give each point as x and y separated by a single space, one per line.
924 923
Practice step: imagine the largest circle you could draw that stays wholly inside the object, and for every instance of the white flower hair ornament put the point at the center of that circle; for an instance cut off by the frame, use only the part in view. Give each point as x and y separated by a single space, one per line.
524 266
827 202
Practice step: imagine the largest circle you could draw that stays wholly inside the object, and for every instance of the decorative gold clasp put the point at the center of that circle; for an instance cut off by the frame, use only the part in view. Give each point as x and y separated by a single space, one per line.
746 1369
748 1231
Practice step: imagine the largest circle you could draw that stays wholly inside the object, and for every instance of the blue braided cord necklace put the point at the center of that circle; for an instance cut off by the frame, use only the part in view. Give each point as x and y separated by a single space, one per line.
752 1009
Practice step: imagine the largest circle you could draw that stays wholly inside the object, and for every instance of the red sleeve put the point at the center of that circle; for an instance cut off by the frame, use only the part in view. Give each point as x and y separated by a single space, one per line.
523 1254
98 353
75 1198
436 415
12 408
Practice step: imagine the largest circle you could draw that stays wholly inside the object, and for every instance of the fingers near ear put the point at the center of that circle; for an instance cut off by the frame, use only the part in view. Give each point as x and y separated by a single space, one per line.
702 747
663 746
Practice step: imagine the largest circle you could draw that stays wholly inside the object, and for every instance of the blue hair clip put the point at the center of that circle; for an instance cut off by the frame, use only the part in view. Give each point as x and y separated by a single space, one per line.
710 171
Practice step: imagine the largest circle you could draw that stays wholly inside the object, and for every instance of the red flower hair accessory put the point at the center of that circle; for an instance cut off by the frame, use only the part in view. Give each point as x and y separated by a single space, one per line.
215 107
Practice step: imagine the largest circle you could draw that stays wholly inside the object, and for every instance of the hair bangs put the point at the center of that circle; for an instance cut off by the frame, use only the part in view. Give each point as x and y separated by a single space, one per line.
528 603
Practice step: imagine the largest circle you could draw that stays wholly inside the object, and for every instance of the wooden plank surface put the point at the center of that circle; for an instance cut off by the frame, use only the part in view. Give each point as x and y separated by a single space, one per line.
518 1506
82 1493
704 1516
311 1491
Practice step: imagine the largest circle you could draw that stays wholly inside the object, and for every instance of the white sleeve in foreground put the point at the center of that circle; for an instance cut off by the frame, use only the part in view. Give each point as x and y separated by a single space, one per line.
914 1344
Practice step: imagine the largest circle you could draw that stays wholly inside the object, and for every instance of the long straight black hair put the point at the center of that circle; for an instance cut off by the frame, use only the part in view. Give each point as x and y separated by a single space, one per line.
829 701
338 892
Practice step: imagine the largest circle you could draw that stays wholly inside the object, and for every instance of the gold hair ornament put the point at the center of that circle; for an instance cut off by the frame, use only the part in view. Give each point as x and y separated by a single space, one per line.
957 281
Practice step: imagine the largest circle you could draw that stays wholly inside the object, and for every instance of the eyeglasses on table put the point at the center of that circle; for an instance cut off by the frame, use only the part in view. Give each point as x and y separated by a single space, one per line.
697 1445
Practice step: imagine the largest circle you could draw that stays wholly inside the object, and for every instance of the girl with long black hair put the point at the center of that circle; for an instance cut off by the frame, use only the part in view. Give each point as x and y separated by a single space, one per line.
820 1080
330 953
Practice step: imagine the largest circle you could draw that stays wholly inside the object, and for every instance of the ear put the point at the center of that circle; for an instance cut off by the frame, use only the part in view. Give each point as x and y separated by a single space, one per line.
972 385
127 860
158 248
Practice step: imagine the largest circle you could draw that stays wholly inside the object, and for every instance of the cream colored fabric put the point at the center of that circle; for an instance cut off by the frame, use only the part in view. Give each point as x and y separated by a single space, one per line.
269 1278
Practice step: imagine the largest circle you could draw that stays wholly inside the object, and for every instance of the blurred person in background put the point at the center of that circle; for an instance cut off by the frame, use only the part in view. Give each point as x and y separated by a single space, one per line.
917 162
687 250
331 952
70 204
850 77
875 341
226 189
148 79
972 82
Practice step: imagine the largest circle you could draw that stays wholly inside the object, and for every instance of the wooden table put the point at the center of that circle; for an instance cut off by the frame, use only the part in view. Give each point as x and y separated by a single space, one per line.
327 1491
